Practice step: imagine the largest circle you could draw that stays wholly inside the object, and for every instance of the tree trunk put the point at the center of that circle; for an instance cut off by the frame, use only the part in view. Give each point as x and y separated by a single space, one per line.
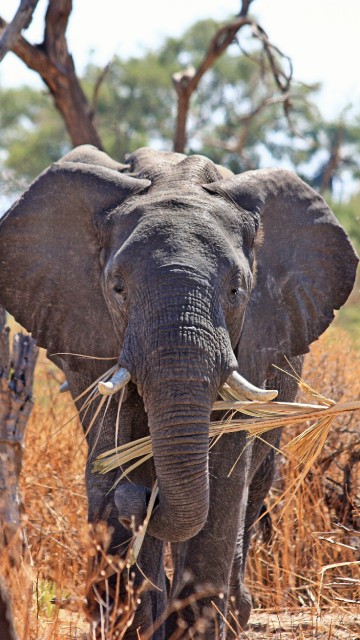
16 380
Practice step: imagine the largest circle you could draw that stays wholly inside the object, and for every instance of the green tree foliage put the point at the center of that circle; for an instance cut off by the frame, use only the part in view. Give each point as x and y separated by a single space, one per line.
32 134
136 103
329 153
348 214
235 114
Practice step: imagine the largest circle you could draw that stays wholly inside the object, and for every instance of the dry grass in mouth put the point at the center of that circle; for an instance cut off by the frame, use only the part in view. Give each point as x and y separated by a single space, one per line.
305 448
262 417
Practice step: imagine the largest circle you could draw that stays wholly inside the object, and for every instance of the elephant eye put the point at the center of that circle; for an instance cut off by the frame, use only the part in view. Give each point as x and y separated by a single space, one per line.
236 295
119 287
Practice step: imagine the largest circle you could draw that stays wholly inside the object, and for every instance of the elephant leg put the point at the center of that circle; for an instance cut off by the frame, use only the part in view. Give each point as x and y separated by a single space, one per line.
202 565
127 587
262 475
154 597
116 589
150 602
119 598
240 597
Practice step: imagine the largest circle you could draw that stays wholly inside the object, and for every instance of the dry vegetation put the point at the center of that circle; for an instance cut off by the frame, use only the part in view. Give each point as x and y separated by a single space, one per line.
321 525
297 594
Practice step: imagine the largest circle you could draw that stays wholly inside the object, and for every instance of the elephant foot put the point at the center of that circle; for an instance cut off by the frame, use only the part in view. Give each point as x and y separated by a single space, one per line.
240 605
121 607
200 620
127 624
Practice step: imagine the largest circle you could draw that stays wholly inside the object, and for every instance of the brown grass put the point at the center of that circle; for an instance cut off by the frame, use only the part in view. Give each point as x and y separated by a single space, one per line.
297 591
321 525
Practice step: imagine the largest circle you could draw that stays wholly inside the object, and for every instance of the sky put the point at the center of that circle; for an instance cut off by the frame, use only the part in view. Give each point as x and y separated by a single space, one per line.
320 36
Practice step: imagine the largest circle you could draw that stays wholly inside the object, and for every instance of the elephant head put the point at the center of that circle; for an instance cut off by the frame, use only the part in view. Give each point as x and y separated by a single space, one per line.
182 272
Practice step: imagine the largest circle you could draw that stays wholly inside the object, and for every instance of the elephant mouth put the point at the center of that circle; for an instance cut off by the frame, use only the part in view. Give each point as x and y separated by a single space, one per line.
236 387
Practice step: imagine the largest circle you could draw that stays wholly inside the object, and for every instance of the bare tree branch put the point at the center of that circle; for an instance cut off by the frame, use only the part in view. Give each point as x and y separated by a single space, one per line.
186 82
334 160
245 122
282 79
55 65
245 5
56 21
100 79
20 21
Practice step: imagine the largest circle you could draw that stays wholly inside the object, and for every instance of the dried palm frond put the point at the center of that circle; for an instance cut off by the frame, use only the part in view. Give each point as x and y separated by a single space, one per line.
92 392
93 395
263 417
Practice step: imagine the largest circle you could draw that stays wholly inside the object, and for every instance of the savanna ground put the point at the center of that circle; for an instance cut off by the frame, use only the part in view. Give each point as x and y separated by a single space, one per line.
306 578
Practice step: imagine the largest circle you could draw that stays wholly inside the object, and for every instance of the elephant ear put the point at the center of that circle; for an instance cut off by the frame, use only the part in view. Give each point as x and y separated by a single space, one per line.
50 272
306 267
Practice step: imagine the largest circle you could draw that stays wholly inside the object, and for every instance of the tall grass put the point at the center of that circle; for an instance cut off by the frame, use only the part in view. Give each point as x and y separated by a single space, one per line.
292 573
321 525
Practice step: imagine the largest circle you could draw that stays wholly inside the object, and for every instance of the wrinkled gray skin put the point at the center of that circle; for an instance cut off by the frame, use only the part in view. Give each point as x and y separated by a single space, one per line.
184 273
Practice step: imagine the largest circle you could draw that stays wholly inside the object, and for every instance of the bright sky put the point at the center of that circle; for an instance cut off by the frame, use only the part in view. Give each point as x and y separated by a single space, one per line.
320 36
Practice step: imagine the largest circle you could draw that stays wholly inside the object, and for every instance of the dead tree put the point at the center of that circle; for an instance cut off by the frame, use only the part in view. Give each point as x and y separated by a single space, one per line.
16 381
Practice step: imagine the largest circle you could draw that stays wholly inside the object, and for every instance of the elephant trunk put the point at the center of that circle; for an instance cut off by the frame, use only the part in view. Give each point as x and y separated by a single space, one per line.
179 419
178 357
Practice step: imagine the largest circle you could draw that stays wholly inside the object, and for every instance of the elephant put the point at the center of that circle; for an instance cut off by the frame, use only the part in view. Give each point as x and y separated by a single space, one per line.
190 278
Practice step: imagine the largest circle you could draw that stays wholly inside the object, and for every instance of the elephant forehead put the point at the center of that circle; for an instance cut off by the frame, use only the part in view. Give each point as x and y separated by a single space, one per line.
187 214
194 236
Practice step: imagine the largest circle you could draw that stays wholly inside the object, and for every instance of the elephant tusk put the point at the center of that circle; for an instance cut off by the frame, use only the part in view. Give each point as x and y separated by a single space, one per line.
116 382
244 390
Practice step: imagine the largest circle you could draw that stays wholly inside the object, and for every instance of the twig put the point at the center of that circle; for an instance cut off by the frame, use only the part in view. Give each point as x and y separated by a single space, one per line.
245 5
186 82
13 30
99 81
